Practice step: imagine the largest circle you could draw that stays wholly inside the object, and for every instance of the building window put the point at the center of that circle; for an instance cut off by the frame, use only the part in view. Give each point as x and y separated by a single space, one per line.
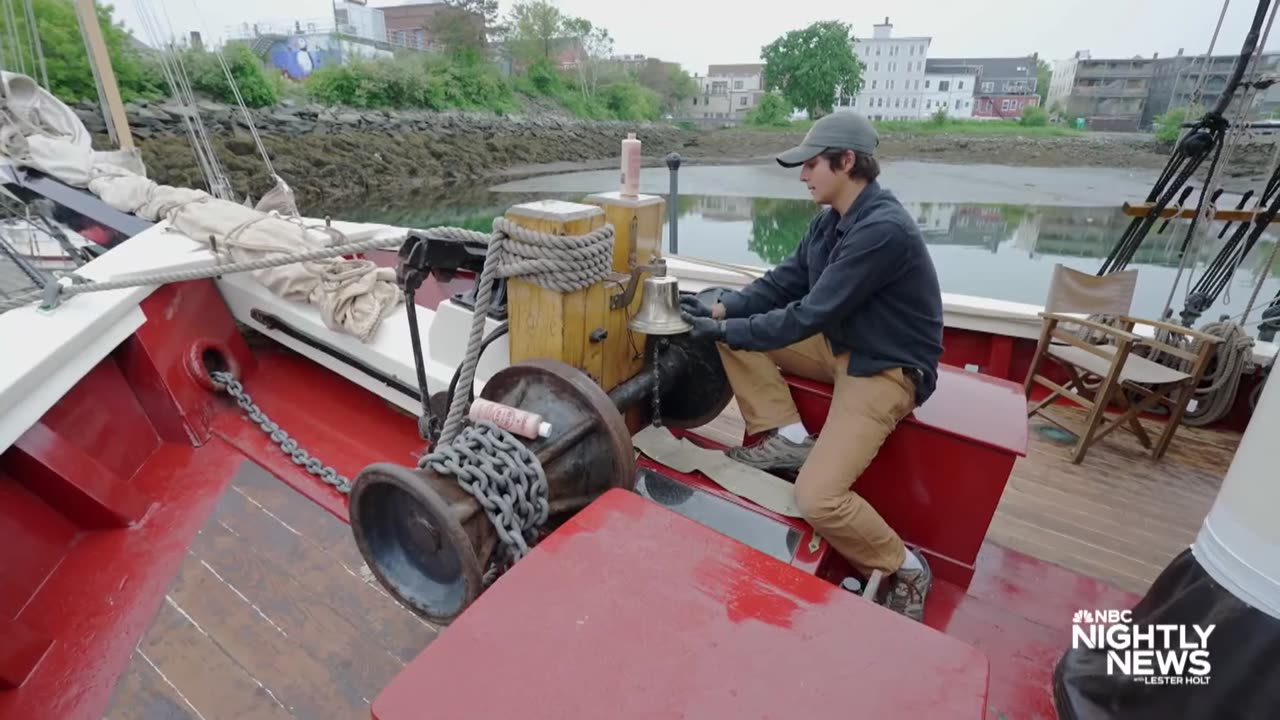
928 104
957 104
695 101
917 84
913 102
875 66
960 85
913 50
926 84
988 86
737 84
877 51
873 84
897 102
944 85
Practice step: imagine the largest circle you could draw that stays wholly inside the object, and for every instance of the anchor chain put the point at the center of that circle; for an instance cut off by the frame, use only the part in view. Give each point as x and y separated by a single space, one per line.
504 476
278 435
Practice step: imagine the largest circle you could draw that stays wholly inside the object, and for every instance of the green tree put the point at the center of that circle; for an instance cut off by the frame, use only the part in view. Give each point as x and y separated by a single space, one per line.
1034 117
462 26
1044 74
772 111
596 48
810 66
70 78
670 81
208 77
533 29
777 227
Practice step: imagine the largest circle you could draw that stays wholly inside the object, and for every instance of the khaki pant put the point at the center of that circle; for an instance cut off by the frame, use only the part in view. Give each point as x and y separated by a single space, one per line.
864 410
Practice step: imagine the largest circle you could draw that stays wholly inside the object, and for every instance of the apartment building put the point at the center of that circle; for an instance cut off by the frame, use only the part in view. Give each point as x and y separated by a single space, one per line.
1175 81
949 88
1109 93
893 71
728 92
409 26
1005 86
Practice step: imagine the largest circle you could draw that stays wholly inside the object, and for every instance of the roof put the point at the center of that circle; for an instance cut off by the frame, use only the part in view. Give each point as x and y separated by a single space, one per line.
739 69
934 68
991 67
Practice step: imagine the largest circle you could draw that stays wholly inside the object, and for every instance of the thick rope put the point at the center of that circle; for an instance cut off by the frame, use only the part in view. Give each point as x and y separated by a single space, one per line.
1234 355
55 292
556 262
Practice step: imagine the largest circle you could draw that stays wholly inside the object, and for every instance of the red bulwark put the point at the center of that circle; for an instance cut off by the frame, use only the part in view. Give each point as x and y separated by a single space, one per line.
939 476
632 611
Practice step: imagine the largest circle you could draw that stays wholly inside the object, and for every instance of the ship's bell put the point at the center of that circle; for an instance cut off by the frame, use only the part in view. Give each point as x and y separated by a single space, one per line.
659 312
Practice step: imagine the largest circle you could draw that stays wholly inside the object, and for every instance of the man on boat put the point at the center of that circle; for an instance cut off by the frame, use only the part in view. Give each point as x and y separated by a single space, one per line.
857 305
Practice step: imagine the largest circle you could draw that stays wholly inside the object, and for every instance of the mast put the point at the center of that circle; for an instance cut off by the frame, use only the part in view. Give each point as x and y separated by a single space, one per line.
103 75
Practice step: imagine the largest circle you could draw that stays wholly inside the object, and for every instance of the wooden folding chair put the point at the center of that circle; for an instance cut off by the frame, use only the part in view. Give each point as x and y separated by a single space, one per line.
1108 370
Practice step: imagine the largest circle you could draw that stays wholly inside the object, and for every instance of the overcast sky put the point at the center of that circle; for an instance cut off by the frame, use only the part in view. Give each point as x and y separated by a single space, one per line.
696 33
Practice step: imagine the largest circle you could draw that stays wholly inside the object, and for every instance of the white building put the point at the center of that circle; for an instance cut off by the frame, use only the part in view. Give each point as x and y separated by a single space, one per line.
728 92
949 87
892 75
355 18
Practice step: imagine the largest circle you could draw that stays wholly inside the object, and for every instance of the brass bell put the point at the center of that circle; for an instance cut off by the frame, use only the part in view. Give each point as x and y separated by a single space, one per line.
659 312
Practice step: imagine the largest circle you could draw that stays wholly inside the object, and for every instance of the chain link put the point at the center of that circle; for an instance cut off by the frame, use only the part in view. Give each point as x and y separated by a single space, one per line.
504 476
279 436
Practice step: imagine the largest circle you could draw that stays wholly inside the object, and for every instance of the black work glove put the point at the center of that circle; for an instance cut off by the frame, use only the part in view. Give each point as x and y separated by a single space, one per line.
692 305
704 329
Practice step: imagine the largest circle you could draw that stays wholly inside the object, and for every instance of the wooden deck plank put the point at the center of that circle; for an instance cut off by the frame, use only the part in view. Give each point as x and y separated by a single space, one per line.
354 666
1119 516
210 681
247 512
142 694
269 619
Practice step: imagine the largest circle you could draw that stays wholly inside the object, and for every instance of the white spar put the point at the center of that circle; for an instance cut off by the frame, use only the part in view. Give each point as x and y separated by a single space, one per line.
1239 542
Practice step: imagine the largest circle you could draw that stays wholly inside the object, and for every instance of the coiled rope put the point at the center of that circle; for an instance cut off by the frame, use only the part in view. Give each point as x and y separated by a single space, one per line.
1221 381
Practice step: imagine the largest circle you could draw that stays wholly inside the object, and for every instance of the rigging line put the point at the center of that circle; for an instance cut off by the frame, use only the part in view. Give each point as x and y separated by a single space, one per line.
180 85
1235 133
170 70
11 20
1262 276
37 47
235 88
224 184
1196 92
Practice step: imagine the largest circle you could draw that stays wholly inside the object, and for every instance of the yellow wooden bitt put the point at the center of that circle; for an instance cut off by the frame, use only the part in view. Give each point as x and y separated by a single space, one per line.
577 328
638 224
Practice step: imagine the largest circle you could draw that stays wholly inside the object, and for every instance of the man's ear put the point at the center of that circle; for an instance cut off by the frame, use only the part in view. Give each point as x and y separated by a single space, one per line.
847 160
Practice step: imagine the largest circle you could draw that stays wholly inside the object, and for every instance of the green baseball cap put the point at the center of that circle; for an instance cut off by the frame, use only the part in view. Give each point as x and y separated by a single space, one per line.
843 129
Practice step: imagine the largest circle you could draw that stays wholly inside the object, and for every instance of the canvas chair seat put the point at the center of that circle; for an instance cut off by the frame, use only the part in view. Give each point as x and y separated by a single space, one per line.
1136 369
1106 352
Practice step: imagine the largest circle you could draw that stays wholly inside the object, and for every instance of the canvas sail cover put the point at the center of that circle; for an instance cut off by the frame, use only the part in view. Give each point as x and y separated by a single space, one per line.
39 132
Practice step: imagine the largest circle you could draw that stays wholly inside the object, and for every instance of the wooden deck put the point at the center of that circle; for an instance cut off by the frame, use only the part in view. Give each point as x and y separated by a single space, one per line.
272 615
1117 516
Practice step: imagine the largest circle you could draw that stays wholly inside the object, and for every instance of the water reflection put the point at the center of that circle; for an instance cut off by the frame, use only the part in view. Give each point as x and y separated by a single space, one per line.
997 251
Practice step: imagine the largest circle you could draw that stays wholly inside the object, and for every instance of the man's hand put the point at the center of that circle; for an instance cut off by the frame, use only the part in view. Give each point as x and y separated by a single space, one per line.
693 306
705 329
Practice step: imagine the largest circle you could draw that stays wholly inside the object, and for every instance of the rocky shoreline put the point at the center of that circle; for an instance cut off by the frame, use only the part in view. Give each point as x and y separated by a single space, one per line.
345 154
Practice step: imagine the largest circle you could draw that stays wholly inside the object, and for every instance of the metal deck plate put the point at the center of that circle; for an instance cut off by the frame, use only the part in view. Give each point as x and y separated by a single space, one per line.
747 527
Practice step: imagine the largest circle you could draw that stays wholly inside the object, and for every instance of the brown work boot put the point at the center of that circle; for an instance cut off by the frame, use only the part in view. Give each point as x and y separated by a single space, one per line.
774 453
909 588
